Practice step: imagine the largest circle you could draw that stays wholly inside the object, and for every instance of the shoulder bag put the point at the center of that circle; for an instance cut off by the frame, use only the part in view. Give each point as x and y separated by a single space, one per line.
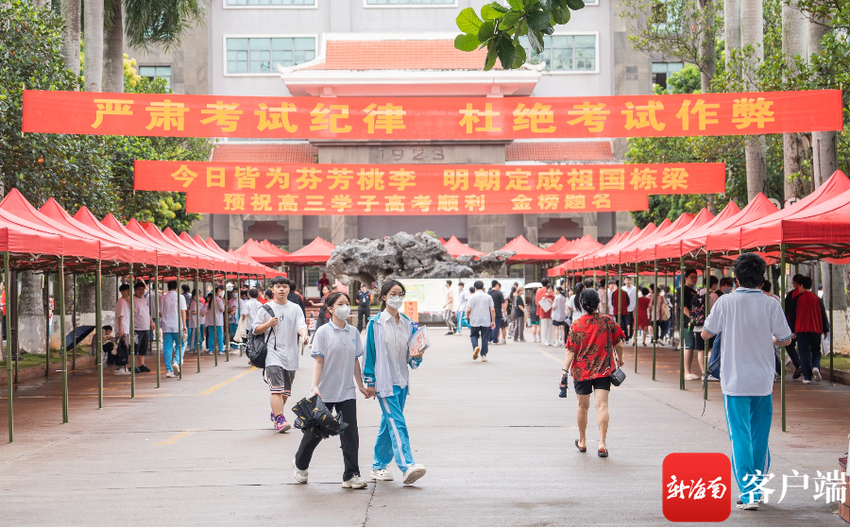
617 375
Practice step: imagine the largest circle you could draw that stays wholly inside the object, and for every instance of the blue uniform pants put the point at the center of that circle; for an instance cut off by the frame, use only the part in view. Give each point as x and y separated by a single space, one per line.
170 344
393 441
218 331
748 421
484 333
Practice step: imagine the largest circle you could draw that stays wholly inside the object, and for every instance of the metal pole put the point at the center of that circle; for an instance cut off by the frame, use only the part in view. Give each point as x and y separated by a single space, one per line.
226 322
782 297
214 330
61 296
655 319
132 335
707 312
74 321
179 327
98 333
198 337
832 337
239 306
8 317
682 323
634 322
155 298
46 321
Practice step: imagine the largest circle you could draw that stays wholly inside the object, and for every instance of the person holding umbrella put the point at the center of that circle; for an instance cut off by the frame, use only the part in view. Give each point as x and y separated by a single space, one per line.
337 349
388 359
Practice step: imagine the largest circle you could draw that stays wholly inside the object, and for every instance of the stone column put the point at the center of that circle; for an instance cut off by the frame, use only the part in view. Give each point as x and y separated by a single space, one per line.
236 231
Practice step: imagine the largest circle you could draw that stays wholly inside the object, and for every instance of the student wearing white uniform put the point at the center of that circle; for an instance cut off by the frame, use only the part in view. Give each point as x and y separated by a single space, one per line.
286 321
173 324
252 307
337 349
122 331
197 321
142 325
386 372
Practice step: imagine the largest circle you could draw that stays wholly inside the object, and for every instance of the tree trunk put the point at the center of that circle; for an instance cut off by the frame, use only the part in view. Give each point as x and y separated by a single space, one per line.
731 27
32 322
113 54
707 52
752 34
71 35
794 31
93 46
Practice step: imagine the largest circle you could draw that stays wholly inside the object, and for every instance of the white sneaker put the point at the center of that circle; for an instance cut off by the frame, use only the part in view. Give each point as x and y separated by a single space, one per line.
175 367
169 374
300 476
806 382
484 359
816 374
122 372
384 475
354 482
413 473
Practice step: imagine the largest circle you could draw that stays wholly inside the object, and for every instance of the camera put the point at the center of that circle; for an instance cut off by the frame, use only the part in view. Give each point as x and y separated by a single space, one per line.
563 393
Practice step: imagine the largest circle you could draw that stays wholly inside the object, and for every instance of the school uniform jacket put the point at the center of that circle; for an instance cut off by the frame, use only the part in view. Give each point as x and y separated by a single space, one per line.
376 370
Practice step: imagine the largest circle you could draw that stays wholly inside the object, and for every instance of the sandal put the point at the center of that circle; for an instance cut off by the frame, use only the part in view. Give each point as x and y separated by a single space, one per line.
581 449
602 453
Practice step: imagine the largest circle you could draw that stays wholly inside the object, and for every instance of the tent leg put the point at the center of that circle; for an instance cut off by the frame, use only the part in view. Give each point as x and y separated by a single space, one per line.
706 350
98 333
74 321
655 321
46 322
198 337
226 322
181 324
8 316
832 337
214 330
782 359
155 296
60 295
634 322
682 323
132 335
239 304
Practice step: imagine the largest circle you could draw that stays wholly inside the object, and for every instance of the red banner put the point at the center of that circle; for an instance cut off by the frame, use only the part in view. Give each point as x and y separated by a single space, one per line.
425 118
376 189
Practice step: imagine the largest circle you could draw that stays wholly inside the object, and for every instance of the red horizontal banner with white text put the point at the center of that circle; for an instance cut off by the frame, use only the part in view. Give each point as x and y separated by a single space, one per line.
377 189
426 118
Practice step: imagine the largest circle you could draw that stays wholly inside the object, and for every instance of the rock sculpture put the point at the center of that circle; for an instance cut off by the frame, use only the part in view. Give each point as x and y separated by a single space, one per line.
403 255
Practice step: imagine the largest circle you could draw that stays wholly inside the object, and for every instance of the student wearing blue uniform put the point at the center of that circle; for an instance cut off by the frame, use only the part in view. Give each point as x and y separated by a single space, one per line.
389 357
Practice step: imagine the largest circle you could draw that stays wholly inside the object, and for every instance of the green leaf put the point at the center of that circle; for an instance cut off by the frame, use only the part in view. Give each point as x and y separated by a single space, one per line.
561 15
575 5
538 20
506 51
519 55
535 38
516 5
467 42
492 12
468 21
492 53
485 32
510 20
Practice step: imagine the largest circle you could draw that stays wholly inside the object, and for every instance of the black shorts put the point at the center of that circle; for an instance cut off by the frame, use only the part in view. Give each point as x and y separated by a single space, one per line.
583 388
280 380
558 323
143 338
504 323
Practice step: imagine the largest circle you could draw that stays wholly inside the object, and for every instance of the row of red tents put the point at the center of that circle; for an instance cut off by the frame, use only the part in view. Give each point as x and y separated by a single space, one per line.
34 235
816 227
316 253
526 252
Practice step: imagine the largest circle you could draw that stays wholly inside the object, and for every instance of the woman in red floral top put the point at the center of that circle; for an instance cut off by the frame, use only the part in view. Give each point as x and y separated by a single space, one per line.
590 360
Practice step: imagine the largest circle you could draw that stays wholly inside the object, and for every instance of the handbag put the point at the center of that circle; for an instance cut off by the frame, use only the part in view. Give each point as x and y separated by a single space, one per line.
617 375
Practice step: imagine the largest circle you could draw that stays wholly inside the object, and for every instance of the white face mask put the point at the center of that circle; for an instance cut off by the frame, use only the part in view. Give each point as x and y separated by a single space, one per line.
342 312
726 289
395 302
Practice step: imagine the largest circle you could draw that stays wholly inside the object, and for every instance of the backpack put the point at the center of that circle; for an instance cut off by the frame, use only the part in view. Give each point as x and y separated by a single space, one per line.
258 344
697 307
665 310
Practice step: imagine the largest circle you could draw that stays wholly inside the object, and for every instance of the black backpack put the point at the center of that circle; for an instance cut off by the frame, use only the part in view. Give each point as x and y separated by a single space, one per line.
258 344
697 308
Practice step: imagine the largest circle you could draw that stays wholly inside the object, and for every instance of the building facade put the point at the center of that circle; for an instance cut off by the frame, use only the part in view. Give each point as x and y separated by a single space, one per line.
327 48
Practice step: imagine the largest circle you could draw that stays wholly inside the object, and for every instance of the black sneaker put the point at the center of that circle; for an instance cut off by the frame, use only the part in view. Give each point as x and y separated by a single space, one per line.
797 373
144 368
137 371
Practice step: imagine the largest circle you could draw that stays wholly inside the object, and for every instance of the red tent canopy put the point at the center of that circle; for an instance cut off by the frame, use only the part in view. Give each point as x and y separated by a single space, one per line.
694 239
273 249
527 252
456 248
258 252
19 237
317 252
579 261
578 247
560 244
673 233
646 252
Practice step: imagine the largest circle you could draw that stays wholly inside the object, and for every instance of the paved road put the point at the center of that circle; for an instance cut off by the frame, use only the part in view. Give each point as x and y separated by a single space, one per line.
497 442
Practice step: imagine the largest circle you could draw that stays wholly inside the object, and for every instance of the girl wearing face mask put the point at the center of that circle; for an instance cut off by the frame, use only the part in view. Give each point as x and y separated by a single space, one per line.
337 348
388 359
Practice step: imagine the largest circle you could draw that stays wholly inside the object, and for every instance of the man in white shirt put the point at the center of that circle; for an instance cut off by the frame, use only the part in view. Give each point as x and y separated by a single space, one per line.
482 320
122 330
252 306
173 323
463 298
142 325
284 328
448 308
752 324
631 290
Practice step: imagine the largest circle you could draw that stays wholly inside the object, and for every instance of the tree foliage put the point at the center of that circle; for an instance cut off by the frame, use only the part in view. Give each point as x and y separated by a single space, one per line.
159 22
500 27
91 171
684 81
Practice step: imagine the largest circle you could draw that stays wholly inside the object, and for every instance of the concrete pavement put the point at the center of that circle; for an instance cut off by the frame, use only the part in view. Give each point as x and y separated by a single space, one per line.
496 440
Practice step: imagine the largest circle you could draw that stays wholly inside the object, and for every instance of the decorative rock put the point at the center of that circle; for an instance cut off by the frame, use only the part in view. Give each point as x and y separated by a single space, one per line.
406 256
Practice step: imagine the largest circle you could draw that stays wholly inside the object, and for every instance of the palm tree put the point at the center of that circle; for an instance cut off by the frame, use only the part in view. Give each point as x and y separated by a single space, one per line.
755 150
71 35
793 46
93 45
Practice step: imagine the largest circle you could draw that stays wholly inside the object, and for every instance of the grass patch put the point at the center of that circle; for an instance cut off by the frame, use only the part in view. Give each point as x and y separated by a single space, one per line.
840 362
31 360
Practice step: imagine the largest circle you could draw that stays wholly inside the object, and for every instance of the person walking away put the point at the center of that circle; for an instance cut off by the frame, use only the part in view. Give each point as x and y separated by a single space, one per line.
233 313
197 320
143 325
751 324
657 310
322 317
287 324
448 308
172 321
619 304
533 318
559 317
322 283
482 320
632 292
389 358
463 298
574 304
790 316
337 349
689 294
810 324
215 320
498 306
364 309
699 318
122 328
545 315
594 351
519 311
642 323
